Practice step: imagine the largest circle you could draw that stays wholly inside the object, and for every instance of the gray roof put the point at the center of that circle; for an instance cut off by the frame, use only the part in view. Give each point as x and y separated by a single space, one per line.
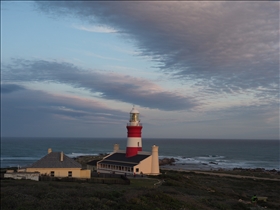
119 163
121 159
52 160
93 162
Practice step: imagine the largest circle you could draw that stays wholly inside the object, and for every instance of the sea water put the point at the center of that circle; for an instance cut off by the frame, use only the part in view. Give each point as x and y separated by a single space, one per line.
201 154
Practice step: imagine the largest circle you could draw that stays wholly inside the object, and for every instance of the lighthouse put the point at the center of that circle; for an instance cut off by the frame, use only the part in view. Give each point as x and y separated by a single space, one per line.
132 161
134 128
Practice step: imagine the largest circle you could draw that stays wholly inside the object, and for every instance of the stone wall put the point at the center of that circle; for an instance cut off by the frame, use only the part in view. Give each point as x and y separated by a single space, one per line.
23 175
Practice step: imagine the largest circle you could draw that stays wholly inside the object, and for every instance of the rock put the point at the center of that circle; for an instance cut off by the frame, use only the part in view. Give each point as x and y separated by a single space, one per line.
166 161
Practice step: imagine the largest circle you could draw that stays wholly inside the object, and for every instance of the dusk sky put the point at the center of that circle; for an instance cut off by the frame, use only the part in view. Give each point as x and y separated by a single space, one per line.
192 69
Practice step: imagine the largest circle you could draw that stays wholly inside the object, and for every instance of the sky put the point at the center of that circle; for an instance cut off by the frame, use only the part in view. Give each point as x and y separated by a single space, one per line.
207 69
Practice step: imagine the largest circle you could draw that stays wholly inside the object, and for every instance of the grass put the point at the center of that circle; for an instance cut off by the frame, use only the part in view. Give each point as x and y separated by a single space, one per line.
250 172
180 190
143 183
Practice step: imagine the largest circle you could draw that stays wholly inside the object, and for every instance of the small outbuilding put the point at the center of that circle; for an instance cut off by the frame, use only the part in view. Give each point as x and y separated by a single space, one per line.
57 164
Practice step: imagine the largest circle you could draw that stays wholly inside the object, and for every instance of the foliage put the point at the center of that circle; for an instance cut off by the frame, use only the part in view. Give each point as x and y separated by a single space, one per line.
177 190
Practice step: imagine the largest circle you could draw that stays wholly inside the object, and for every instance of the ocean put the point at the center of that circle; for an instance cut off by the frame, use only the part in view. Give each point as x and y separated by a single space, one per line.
190 154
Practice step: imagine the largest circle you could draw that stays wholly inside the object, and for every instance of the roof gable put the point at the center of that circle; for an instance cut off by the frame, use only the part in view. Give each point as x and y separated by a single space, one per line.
52 160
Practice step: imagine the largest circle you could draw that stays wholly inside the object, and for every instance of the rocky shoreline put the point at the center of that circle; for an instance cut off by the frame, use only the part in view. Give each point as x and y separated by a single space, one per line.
170 163
167 161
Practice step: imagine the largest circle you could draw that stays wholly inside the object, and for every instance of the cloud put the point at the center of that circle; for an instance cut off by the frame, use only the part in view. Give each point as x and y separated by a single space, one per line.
112 86
95 29
41 114
224 56
9 88
229 45
99 56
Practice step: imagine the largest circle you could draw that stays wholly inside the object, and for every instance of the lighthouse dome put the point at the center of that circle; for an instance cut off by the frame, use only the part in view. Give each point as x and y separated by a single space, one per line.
134 111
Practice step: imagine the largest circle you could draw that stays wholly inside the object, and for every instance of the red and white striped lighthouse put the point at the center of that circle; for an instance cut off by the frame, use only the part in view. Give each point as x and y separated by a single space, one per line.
134 140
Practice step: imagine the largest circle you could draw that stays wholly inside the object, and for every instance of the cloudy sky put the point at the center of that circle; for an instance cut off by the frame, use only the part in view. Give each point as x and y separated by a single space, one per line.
192 69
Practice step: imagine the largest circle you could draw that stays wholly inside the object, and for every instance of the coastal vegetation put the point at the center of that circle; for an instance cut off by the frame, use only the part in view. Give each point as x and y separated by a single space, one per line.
170 190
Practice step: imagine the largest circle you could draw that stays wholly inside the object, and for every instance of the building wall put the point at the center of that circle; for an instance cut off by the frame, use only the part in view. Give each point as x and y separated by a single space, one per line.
22 175
144 166
117 169
149 165
62 172
85 174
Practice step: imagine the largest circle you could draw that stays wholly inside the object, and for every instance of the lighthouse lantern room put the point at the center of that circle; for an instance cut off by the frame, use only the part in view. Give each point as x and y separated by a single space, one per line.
134 117
134 128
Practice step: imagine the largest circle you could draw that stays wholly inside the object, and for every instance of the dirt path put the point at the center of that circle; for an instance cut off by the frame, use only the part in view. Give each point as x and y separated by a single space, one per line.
227 175
233 175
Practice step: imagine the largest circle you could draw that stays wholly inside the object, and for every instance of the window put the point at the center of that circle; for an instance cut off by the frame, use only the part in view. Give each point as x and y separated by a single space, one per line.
52 173
137 169
69 173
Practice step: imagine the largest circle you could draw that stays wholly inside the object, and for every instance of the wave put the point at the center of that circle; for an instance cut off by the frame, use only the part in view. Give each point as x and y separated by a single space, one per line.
202 162
19 158
71 155
216 162
199 159
74 154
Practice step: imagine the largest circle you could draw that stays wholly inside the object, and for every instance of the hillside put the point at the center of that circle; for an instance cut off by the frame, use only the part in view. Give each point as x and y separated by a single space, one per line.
171 190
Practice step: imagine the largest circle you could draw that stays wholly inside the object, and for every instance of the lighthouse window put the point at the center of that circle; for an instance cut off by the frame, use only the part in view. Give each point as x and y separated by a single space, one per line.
134 117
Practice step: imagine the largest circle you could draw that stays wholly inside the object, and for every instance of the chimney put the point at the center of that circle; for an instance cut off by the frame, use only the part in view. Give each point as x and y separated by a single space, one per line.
155 162
116 147
61 156
49 150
